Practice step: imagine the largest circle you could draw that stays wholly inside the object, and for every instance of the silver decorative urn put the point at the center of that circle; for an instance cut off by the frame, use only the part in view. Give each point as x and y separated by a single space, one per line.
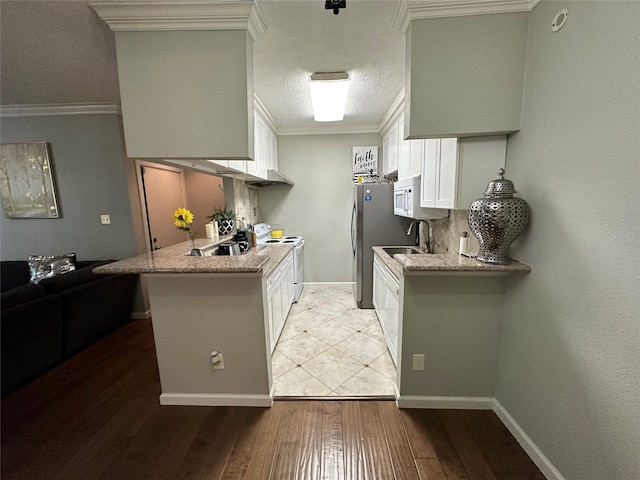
497 219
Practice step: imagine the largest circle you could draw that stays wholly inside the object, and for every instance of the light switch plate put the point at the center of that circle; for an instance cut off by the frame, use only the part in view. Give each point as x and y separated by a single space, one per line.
418 361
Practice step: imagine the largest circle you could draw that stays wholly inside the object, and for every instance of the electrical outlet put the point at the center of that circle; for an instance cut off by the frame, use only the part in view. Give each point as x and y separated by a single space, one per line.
105 219
418 361
217 360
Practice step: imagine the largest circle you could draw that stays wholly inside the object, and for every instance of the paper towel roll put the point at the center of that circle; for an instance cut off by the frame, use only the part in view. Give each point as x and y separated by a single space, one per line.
209 227
464 244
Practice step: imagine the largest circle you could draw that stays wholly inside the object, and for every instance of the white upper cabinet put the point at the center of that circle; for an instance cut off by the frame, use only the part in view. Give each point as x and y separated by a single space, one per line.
455 171
414 167
429 177
258 168
390 148
272 160
265 150
404 151
410 154
403 156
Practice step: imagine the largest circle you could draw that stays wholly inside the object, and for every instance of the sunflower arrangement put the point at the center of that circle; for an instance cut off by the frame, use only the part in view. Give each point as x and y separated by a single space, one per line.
182 219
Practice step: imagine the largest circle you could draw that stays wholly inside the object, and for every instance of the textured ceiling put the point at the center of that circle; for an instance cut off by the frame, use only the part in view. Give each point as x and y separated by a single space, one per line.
55 52
61 52
302 38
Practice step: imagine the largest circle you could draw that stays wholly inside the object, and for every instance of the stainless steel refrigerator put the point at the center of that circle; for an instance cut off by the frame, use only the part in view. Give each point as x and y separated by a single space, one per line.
373 224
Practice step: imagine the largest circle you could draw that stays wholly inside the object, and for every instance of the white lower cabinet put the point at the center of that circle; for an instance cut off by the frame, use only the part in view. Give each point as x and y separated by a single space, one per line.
386 291
280 293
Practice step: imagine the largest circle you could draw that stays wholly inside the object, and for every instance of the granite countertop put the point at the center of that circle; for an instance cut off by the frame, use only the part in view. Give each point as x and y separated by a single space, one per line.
434 262
175 259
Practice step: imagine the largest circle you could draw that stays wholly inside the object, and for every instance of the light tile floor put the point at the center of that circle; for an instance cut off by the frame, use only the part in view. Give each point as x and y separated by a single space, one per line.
329 347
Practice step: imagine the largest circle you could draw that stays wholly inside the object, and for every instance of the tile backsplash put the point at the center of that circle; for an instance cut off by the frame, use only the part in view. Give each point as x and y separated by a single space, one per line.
247 202
445 233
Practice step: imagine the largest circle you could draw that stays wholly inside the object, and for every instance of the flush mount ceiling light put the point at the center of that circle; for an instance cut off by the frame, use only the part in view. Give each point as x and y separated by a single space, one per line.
329 95
335 5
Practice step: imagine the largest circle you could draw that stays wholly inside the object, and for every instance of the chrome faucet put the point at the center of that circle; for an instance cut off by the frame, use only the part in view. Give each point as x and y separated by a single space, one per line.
414 222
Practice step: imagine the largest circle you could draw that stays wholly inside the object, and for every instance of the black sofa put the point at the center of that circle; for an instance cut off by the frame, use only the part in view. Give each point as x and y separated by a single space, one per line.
43 324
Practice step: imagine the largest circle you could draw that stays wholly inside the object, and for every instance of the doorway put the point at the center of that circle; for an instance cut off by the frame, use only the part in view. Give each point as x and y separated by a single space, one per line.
162 191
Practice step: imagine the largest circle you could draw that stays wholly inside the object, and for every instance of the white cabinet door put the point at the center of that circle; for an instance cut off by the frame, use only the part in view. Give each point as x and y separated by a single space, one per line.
404 153
258 167
439 173
429 174
276 299
416 154
239 165
280 293
287 291
270 317
447 170
386 304
272 162
391 314
390 149
378 285
273 285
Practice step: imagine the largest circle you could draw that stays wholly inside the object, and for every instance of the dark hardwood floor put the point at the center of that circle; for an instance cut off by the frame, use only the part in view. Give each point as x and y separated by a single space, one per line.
97 416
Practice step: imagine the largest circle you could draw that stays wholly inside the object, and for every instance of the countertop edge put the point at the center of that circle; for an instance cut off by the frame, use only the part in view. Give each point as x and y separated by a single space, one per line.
434 263
174 260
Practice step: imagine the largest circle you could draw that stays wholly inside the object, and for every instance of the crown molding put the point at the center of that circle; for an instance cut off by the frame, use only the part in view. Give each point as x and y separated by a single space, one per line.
60 109
408 10
391 112
327 130
153 15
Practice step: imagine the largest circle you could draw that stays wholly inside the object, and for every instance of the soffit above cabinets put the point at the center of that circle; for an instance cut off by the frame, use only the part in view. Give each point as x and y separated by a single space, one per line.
71 50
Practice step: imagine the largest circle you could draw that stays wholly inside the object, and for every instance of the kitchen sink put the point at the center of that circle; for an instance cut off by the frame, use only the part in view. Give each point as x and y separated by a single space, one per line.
391 251
206 251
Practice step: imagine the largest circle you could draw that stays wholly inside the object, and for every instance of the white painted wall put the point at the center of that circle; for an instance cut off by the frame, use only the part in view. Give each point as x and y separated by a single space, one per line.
569 366
319 206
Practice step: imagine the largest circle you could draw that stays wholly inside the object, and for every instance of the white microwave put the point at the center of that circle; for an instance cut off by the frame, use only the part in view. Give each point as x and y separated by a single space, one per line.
406 201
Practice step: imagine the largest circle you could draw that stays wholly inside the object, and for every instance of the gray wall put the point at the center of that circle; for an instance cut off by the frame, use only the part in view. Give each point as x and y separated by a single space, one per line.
569 366
90 172
319 206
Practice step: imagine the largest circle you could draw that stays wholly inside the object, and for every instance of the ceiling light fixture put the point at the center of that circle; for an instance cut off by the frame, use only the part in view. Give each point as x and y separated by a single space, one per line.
329 95
335 5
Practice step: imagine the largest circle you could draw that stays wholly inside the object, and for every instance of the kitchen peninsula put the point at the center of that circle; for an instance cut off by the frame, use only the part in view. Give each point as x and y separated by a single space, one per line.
205 304
442 314
447 309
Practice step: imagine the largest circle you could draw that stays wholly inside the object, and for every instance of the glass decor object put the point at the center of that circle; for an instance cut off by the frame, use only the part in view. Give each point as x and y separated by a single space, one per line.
497 220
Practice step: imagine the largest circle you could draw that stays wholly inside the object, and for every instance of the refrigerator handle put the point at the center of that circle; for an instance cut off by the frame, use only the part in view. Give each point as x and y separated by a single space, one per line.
353 217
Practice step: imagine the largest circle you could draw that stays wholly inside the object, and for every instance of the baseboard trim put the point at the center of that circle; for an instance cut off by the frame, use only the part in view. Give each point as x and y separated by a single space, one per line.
487 403
328 283
536 455
141 315
215 400
457 403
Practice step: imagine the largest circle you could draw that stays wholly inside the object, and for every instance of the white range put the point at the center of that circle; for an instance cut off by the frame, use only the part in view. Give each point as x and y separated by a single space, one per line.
263 237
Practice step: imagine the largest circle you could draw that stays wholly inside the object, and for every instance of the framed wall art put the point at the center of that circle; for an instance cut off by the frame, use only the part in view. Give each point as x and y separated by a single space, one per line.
365 162
27 181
